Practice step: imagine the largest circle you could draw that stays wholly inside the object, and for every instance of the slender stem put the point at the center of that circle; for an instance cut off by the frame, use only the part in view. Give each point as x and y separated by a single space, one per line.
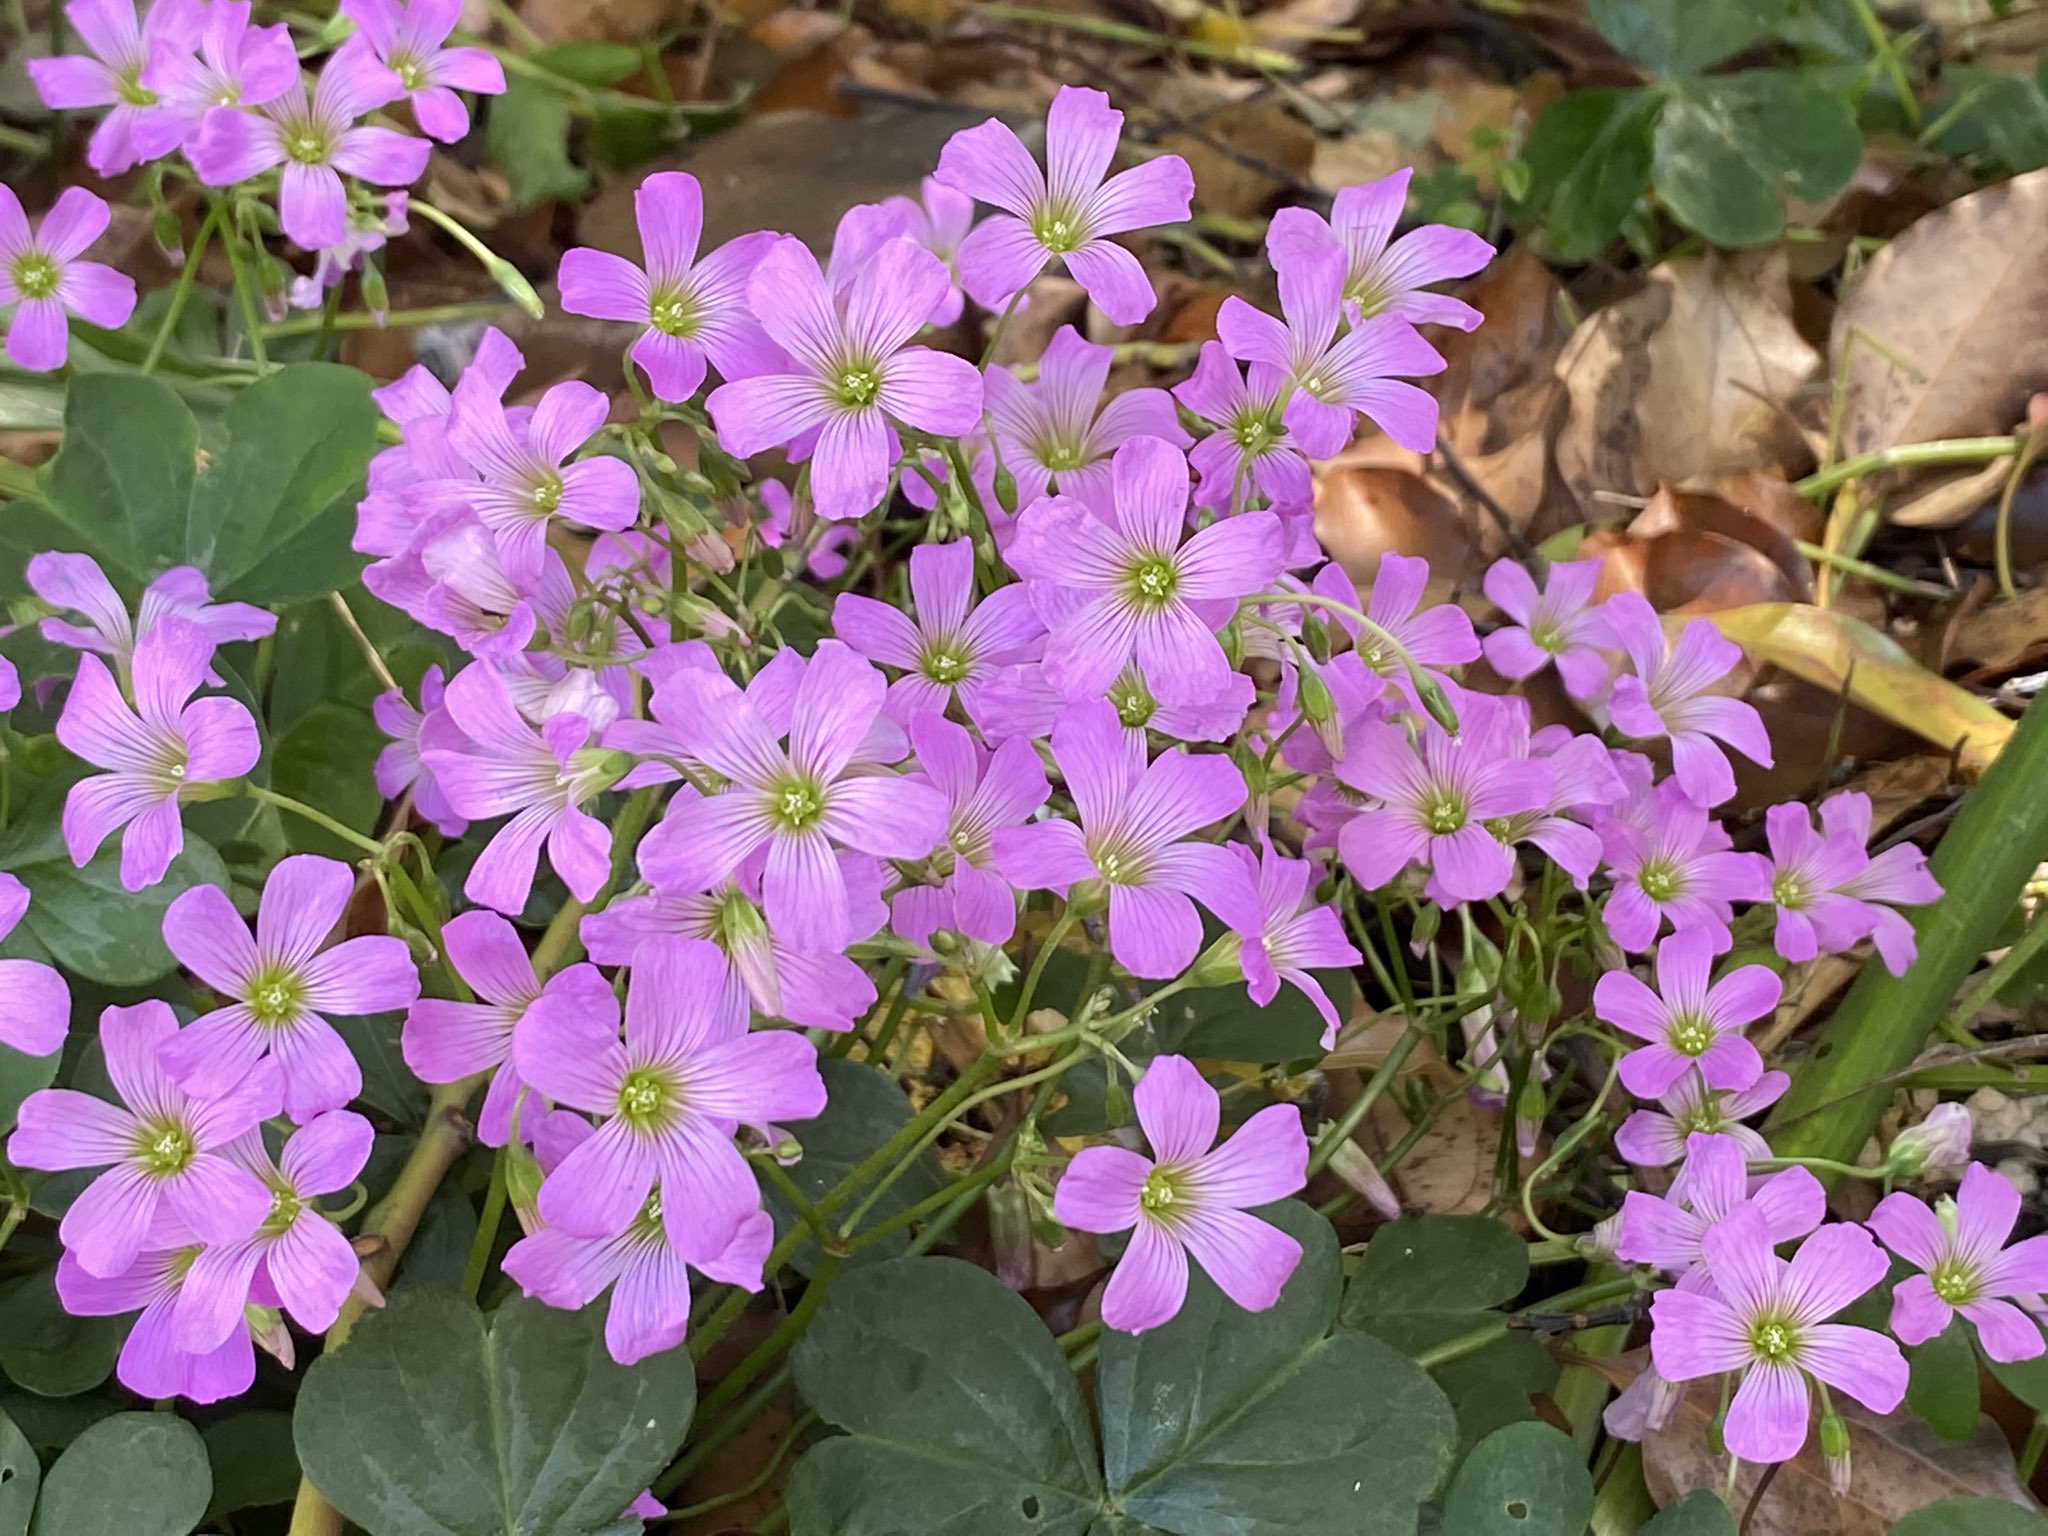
2030 1453
299 808
187 275
1948 450
2001 547
1888 59
759 1480
1877 575
486 1229
502 272
371 654
1461 1345
1335 1136
777 1175
430 314
2009 965
252 315
1038 964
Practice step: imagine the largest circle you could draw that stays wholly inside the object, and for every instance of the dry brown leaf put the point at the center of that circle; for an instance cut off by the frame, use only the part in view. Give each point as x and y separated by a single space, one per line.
600 21
1365 512
1956 315
1993 637
1366 155
1686 570
1263 129
1900 1465
1672 511
1943 501
1689 379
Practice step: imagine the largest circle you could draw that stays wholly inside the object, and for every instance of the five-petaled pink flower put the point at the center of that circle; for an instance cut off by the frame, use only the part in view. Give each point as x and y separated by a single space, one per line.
1666 696
1767 1319
1965 1265
157 752
160 1145
671 1095
984 791
1382 275
1282 930
695 309
1666 1232
1251 452
43 280
76 583
1135 834
315 137
1189 1197
283 982
1113 583
1057 434
1687 1024
852 376
151 1364
1066 211
110 75
237 66
407 38
1555 626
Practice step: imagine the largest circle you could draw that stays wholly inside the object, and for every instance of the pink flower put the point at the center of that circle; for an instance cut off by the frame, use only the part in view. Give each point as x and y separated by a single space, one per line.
1766 1319
670 1096
110 75
238 66
1282 930
406 37
1656 1138
160 1147
1057 434
1898 876
985 791
1666 1233
1436 635
695 310
296 1258
648 1277
1687 1024
77 584
151 1364
283 982
1332 376
1066 211
35 1000
43 280
1189 1197
316 139
1966 1265
938 224
1556 626
1436 794
399 767
1671 862
799 802
948 646
1119 582
446 1040
541 778
1383 278
1251 452
1135 834
852 377
156 754
1666 696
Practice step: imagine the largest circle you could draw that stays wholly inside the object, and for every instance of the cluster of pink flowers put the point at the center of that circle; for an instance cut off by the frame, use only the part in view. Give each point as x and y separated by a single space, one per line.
195 77
1064 701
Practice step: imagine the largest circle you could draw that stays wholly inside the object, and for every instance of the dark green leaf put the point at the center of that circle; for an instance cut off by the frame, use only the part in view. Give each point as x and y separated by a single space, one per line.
1699 1513
388 1087
1970 1517
117 489
1257 1423
1943 1386
21 1076
1729 151
1224 1024
522 1427
864 1108
20 1475
272 518
962 1416
94 928
46 1350
2026 1380
326 760
141 1474
1524 1480
528 135
51 1423
594 64
253 1462
1683 37
1588 159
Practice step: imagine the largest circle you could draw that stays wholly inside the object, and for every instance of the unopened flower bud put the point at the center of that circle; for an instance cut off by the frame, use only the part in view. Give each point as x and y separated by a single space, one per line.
1942 1140
1529 1109
1603 1240
1834 1450
1006 491
376 297
522 1185
266 1326
168 234
1009 1235
1435 700
1219 965
1350 1163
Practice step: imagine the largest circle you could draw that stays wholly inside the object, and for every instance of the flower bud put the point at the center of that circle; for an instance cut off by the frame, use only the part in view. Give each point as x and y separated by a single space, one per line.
1601 1243
1350 1163
1942 1140
1434 699
1006 491
1529 1109
1219 965
266 1326
1834 1450
376 297
522 1184
1009 1235
168 234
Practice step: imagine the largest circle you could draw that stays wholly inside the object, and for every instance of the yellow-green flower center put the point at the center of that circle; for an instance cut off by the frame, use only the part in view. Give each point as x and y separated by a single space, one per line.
133 93
1790 890
1774 1339
1689 1034
1058 228
1159 1195
1660 881
276 997
1058 454
1443 812
165 1147
673 312
1954 1281
546 492
1151 582
285 1206
945 662
647 1098
306 144
1134 706
857 385
797 803
411 72
1254 434
35 275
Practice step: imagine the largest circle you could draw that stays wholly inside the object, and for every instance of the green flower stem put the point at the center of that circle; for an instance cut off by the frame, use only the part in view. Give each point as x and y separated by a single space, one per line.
759 1480
1947 450
1460 1345
1888 57
397 319
786 1333
799 1202
1995 980
1818 1165
187 274
252 312
1426 689
2030 1453
911 1215
1876 575
1340 1130
1046 950
486 1230
1586 1124
501 271
299 808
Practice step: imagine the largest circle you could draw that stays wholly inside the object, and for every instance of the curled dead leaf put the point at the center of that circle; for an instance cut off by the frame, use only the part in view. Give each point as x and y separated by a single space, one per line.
1842 654
1672 511
1945 332
1363 512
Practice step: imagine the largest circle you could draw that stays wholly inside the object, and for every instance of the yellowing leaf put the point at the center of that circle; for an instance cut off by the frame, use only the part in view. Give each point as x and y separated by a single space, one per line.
1834 651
